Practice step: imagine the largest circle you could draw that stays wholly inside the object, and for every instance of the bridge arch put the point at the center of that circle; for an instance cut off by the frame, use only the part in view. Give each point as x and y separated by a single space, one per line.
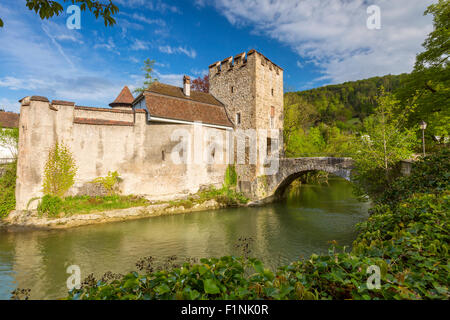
292 168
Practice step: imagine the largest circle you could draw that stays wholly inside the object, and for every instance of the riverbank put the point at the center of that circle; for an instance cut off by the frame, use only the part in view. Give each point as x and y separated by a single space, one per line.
30 220
400 252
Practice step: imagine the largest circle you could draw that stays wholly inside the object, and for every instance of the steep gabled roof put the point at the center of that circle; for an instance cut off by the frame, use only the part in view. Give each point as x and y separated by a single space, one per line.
125 98
9 119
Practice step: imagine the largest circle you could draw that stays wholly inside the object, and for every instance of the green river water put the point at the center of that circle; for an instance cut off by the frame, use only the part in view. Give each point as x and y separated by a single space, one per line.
300 225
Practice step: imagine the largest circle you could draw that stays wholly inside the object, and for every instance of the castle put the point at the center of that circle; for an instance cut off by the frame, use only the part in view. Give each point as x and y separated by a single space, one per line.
168 141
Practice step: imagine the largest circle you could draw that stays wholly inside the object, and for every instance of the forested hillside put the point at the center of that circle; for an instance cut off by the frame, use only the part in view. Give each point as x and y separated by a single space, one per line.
321 121
355 99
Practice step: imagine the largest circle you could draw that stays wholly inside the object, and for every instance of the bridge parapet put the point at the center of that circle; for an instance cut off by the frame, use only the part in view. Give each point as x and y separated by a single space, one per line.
292 168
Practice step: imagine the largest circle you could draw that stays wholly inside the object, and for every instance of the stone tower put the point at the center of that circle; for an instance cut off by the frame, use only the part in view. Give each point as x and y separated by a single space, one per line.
251 88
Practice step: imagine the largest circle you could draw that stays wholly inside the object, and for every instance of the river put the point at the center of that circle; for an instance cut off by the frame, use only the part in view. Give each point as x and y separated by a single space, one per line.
297 226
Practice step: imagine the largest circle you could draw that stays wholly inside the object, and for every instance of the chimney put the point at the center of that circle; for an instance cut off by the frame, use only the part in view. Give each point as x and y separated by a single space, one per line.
187 86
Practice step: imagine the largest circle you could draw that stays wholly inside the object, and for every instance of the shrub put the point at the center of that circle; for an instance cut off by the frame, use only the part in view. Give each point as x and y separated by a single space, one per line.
109 182
50 205
230 176
59 172
8 190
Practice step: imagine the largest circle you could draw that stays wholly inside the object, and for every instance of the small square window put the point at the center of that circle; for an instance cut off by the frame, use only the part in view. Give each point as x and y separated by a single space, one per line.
163 155
272 92
238 118
232 89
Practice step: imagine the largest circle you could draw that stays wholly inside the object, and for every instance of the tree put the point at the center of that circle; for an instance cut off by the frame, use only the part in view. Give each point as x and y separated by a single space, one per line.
9 139
298 114
48 8
429 83
200 84
149 78
59 172
382 145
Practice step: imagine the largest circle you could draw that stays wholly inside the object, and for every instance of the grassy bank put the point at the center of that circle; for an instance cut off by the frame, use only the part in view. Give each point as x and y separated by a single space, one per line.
225 195
56 207
405 238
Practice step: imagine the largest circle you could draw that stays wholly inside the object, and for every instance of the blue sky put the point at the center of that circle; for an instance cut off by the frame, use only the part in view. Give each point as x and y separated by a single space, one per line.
317 42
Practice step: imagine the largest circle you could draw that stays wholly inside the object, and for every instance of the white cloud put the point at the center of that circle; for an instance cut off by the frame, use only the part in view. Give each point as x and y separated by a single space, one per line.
109 45
9 105
140 45
171 78
333 33
191 53
158 5
199 72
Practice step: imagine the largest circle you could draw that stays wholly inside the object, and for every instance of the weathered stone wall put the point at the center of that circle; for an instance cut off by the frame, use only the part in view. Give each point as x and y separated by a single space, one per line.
250 85
103 140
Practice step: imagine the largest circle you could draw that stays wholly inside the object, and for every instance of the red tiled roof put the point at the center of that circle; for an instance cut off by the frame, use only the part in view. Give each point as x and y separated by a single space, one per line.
177 92
102 122
169 102
109 110
124 98
9 119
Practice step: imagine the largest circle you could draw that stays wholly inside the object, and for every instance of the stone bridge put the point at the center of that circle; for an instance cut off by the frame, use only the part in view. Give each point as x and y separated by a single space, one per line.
266 187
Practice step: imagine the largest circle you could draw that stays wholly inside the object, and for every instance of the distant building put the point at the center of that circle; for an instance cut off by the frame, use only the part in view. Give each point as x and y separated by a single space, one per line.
8 120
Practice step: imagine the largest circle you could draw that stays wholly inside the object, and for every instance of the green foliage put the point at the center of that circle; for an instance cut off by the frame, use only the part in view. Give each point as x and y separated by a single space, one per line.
9 139
230 176
50 205
109 182
429 83
8 189
323 121
59 172
53 206
432 174
350 100
148 69
225 195
49 8
407 239
382 145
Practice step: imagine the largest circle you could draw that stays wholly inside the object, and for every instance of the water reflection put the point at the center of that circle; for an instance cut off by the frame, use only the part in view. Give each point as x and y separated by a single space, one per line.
302 224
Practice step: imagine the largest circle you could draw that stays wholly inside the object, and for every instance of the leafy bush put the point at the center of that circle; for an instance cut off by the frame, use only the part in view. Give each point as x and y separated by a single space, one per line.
8 189
59 172
109 182
407 239
431 174
230 176
50 205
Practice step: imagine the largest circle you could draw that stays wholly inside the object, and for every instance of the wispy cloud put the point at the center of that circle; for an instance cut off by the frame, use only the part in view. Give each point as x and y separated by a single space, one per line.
109 45
58 46
191 53
140 45
333 34
158 5
139 17
199 72
9 105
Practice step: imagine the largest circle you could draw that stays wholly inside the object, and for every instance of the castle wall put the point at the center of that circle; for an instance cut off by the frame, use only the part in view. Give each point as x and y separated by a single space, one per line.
103 140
